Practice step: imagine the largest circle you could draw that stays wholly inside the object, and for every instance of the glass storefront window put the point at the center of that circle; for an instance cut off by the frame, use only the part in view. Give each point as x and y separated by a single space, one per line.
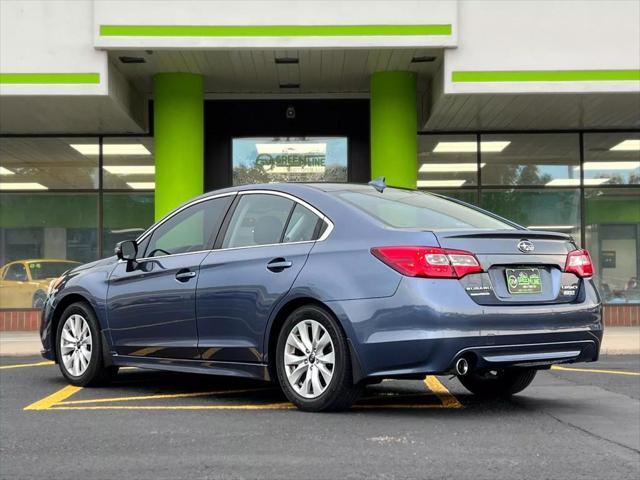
611 158
38 231
537 209
613 238
125 216
468 196
550 160
308 159
128 163
447 161
41 164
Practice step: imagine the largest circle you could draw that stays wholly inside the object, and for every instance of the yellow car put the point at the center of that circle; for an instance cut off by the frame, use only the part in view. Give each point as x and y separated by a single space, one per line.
23 283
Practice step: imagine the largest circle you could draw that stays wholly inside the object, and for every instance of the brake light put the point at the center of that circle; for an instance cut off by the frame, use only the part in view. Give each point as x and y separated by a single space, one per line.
579 262
429 262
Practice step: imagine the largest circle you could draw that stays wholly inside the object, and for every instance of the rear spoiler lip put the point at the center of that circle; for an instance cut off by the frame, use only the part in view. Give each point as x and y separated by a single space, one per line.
515 234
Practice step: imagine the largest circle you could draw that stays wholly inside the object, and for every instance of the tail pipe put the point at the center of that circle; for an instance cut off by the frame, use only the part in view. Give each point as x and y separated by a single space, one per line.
462 366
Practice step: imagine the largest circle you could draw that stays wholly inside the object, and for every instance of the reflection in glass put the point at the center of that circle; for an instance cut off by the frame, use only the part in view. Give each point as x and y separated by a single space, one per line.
613 238
128 163
611 158
552 210
447 161
308 159
125 217
41 164
551 160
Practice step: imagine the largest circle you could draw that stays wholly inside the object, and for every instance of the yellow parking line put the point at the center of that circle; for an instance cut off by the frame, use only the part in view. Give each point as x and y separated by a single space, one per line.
445 396
266 406
47 402
22 365
160 396
594 370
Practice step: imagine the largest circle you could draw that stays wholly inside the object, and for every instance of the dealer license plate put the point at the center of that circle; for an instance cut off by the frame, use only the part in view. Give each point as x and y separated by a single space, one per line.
524 280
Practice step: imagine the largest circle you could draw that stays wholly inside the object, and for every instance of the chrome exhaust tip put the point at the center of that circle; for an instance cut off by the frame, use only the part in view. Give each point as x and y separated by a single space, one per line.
462 366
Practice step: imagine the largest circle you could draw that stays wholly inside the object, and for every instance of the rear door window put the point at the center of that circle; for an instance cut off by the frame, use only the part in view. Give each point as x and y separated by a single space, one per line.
259 219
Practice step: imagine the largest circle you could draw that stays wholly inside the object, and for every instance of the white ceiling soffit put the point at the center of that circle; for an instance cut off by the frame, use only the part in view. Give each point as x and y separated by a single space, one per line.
258 71
470 112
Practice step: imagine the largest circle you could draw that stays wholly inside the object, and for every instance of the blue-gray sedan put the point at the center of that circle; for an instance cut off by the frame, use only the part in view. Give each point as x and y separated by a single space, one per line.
325 288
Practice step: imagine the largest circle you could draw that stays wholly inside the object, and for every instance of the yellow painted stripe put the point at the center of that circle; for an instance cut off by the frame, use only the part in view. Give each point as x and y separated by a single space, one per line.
47 402
160 396
595 370
266 406
445 396
23 365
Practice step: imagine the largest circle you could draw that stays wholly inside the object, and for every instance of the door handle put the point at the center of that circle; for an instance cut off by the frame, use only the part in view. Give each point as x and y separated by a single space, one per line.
185 275
278 264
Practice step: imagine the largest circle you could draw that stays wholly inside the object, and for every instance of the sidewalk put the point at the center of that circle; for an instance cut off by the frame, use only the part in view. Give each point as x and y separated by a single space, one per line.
617 341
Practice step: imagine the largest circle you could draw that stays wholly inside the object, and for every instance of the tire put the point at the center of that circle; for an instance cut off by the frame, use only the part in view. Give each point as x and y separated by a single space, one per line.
322 392
503 384
39 299
88 369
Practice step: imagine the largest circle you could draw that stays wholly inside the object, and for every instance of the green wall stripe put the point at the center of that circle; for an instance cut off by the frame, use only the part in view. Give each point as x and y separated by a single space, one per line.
545 75
270 30
49 78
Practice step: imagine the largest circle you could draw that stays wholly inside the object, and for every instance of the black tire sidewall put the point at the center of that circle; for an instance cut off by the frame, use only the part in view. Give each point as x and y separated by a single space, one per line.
342 367
95 363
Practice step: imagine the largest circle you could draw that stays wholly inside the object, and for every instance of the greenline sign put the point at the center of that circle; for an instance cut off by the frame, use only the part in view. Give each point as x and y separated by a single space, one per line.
271 30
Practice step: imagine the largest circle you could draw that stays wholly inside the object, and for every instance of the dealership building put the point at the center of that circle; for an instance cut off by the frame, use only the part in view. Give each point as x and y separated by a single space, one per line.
114 112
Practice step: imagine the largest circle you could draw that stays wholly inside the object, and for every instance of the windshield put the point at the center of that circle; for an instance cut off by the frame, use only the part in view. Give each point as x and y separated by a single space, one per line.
42 270
410 209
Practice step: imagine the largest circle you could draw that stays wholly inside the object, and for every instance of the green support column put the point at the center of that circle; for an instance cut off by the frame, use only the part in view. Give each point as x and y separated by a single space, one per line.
178 115
394 126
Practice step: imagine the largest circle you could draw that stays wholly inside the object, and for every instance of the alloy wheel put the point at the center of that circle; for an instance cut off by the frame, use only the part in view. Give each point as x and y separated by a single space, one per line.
76 345
309 358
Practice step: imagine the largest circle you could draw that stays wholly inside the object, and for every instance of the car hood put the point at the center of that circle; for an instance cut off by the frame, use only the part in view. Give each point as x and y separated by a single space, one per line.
98 263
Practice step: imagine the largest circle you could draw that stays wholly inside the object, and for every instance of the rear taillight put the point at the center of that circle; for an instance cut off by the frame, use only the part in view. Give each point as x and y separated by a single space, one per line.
430 262
579 262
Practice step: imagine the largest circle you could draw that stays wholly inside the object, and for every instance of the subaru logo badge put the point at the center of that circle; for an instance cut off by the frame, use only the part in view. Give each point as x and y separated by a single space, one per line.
525 246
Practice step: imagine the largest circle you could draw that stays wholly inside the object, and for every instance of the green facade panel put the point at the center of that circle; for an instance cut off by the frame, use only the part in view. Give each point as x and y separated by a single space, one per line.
179 139
394 123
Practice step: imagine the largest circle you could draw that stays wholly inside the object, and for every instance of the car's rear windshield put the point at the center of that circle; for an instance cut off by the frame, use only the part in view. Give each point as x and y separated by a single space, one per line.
42 270
409 209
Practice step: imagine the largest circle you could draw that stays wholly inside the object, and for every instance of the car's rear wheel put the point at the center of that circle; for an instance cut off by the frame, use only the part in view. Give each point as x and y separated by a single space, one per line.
313 363
79 349
498 383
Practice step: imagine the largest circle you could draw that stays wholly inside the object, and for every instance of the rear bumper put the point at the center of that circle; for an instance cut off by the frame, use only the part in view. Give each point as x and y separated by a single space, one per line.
428 324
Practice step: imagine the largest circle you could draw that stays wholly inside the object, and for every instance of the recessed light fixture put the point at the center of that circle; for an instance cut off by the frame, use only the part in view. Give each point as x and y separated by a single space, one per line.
289 85
551 227
610 165
111 149
627 145
423 59
130 169
142 185
449 167
125 59
22 186
470 147
574 182
286 61
6 171
441 183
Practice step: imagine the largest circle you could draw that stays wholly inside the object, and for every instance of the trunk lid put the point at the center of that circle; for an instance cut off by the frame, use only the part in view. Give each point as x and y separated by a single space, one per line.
519 266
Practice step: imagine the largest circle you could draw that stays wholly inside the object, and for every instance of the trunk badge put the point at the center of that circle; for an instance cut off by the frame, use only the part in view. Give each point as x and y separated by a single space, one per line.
525 246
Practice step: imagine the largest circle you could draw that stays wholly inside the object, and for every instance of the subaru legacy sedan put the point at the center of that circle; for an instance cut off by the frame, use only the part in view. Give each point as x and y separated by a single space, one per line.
324 288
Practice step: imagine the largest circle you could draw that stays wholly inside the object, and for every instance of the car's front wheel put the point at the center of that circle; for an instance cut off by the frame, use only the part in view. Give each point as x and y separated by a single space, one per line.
498 383
313 363
79 349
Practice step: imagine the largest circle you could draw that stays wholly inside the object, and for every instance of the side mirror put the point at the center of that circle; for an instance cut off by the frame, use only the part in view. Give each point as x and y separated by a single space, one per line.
127 250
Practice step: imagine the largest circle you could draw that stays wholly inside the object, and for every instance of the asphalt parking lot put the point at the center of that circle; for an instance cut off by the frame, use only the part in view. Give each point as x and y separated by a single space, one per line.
571 423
